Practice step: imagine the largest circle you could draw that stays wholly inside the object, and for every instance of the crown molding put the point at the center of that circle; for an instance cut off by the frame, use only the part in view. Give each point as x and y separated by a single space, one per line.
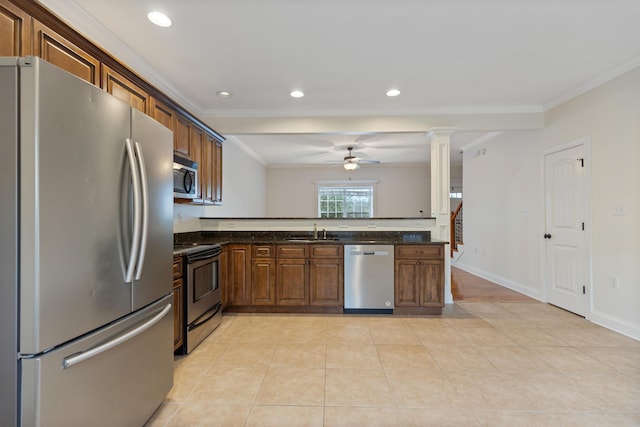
444 111
234 139
592 84
487 137
84 23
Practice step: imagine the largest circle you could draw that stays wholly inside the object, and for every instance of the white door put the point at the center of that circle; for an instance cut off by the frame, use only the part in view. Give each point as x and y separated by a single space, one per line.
565 229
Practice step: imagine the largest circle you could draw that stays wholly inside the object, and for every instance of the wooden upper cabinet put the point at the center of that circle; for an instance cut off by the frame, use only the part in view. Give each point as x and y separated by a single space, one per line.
216 177
54 48
208 170
196 138
181 136
162 113
15 31
124 89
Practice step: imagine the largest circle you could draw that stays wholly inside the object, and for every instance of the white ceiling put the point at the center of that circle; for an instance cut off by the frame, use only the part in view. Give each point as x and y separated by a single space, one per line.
458 57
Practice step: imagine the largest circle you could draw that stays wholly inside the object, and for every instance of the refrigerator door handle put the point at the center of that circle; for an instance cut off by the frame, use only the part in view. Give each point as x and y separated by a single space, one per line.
145 211
70 361
135 240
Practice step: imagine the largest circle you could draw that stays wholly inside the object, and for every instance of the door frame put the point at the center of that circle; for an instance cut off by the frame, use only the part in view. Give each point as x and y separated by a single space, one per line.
586 143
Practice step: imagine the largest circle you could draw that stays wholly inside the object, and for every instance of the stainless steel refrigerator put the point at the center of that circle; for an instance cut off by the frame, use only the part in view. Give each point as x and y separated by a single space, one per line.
86 218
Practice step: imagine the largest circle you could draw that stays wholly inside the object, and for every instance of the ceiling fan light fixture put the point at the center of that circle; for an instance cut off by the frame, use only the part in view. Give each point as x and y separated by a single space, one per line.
351 165
393 92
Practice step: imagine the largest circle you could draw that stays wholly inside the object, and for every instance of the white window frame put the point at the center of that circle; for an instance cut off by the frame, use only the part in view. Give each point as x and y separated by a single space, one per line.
343 184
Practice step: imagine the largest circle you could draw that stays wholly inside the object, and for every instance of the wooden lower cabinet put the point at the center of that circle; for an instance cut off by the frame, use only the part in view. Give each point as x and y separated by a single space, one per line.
263 281
239 275
178 313
292 281
178 303
408 278
326 282
224 276
282 278
419 279
326 278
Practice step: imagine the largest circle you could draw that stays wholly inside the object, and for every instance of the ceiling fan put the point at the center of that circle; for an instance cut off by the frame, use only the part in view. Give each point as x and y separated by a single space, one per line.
351 162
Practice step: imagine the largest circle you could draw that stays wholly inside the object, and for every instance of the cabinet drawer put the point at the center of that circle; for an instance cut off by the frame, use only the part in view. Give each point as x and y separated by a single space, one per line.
262 251
177 267
292 251
326 251
419 251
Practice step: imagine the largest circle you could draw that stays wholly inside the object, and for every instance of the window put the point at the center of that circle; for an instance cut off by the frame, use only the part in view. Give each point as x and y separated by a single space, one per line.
345 202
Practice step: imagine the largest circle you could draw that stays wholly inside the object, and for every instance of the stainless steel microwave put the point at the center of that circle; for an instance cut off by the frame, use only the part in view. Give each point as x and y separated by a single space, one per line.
185 178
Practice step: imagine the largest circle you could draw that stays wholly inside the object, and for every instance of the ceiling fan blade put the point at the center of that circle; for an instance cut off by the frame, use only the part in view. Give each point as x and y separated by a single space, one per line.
369 162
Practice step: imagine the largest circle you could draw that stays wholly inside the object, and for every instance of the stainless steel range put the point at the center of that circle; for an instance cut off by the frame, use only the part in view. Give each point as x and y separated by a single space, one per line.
203 306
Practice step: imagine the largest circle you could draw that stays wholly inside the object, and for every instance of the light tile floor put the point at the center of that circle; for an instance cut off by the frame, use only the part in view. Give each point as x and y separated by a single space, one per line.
480 364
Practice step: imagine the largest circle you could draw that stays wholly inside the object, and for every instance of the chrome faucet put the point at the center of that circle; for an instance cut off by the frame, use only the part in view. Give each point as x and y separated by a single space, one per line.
324 234
315 232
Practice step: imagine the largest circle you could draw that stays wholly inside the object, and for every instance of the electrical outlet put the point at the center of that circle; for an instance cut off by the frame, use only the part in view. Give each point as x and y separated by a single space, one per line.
618 210
613 282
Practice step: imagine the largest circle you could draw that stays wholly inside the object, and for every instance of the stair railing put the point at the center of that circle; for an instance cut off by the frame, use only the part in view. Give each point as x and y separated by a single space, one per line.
455 227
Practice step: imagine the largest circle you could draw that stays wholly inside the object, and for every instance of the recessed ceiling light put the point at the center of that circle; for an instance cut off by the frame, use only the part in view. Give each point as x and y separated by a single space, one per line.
297 94
160 19
393 92
223 94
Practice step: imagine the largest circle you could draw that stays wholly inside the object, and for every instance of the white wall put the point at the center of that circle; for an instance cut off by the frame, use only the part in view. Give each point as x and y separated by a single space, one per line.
400 191
503 197
244 192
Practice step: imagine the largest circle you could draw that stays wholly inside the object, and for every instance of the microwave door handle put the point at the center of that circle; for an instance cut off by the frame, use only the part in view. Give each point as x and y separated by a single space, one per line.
135 240
145 212
189 184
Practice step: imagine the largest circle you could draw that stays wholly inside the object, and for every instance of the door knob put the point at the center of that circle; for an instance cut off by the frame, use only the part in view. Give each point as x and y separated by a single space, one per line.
547 236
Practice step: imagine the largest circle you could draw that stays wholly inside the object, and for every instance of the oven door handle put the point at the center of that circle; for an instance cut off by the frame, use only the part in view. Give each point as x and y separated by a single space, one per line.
197 323
200 257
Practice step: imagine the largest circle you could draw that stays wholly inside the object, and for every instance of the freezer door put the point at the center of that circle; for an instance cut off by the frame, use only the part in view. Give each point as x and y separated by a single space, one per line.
120 386
72 159
153 144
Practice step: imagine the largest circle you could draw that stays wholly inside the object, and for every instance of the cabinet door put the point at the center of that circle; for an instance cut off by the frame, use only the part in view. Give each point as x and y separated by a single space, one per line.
224 276
263 281
181 136
54 48
178 315
124 89
239 274
407 283
432 283
292 282
217 173
15 30
195 150
326 282
162 113
205 169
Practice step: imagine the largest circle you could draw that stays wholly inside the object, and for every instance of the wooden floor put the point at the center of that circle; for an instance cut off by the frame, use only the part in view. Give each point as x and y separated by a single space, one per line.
467 287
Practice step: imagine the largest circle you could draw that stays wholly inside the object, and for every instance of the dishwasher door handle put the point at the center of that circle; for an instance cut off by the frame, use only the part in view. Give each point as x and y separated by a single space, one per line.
372 253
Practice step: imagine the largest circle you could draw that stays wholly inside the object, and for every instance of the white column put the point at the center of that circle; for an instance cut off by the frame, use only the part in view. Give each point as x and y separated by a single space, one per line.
439 139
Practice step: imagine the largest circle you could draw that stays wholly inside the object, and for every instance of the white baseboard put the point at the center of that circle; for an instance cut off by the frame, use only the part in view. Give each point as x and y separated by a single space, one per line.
605 320
514 286
623 327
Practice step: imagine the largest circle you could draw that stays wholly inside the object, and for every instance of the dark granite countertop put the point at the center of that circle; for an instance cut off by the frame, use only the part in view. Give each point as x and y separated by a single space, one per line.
301 238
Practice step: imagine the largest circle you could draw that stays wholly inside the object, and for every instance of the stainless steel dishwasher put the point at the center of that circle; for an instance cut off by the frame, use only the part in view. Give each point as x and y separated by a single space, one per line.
368 279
